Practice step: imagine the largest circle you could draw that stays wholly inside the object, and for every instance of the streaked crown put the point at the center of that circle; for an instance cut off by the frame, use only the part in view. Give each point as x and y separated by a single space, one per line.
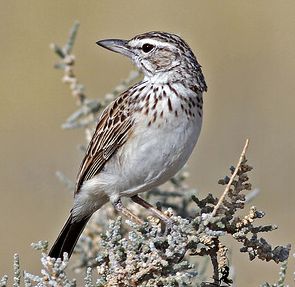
163 57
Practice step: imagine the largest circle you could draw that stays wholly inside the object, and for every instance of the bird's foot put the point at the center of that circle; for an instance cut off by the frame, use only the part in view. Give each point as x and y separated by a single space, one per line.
166 220
125 211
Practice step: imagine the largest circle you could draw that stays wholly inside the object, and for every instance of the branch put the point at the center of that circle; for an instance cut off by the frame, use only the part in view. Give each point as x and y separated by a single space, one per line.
66 64
242 157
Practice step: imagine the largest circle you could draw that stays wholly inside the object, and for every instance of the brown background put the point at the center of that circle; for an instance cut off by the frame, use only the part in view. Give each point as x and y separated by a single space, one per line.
248 57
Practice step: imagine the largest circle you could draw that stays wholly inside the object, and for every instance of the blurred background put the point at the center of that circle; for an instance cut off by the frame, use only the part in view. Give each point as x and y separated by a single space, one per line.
247 52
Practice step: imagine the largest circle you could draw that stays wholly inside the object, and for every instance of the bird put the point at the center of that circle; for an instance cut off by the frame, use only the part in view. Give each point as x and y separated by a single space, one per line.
142 138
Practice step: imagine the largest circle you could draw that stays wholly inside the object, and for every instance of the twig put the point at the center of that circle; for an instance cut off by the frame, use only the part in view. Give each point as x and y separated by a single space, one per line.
220 201
214 261
283 271
71 39
67 63
69 184
17 272
251 195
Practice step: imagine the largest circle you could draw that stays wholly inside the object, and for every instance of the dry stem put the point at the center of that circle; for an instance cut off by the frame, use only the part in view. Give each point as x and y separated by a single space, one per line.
220 201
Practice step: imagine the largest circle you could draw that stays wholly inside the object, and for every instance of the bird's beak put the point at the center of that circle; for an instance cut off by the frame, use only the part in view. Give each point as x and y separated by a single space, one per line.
116 45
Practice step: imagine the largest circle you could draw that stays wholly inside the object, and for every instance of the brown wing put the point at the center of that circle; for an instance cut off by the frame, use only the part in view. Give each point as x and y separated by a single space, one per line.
112 130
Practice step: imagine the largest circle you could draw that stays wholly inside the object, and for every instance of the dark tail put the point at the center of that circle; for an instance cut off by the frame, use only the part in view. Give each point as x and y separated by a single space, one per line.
68 237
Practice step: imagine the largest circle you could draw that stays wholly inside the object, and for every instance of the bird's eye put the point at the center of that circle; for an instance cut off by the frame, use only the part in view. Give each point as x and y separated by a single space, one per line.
147 47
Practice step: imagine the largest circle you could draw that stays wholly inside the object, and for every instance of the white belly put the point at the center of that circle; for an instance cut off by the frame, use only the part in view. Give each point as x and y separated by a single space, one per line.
153 155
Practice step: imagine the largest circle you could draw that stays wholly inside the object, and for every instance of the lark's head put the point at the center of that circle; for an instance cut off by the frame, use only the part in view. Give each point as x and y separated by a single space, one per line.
162 57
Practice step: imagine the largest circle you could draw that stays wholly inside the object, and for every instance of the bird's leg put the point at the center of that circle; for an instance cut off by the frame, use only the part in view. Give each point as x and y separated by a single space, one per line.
125 211
154 211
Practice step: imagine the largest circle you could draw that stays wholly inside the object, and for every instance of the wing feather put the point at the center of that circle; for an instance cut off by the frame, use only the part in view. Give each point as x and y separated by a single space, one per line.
113 129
